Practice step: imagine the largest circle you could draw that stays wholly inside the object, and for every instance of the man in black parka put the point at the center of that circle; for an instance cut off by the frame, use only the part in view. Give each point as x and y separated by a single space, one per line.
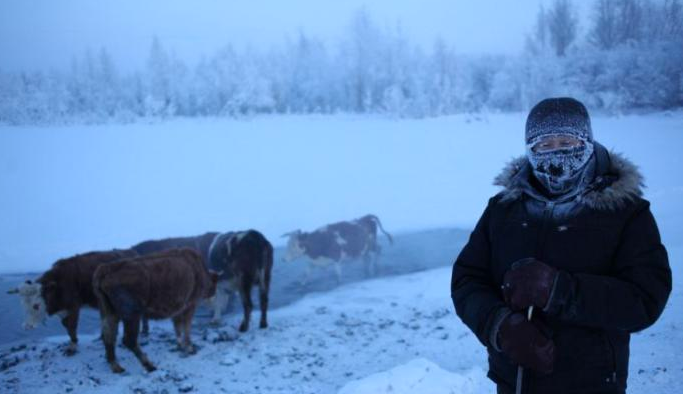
570 238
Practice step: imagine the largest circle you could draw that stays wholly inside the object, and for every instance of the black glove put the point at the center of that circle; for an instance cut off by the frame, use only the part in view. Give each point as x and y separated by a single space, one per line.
529 282
525 344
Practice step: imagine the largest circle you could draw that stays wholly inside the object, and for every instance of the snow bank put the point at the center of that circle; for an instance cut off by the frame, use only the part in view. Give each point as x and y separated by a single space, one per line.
421 376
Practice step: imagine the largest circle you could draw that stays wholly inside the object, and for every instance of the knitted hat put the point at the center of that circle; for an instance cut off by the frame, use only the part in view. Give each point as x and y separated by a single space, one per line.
564 115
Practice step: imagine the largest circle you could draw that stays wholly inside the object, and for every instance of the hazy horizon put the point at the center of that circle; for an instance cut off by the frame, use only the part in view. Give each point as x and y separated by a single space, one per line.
40 35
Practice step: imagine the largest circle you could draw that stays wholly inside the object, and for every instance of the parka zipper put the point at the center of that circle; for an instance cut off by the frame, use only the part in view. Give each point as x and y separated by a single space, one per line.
543 235
540 243
614 357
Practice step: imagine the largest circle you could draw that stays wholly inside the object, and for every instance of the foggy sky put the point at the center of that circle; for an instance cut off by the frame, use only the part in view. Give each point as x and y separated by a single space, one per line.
43 34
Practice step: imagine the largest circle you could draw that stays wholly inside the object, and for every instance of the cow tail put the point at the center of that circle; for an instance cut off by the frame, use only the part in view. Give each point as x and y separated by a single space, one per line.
267 266
104 304
379 224
229 244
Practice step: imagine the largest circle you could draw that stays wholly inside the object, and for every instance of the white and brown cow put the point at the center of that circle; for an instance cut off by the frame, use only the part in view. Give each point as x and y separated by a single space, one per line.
337 242
167 284
245 259
64 289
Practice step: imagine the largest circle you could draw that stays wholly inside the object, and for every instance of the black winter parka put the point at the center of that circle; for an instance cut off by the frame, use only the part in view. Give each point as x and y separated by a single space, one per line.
614 275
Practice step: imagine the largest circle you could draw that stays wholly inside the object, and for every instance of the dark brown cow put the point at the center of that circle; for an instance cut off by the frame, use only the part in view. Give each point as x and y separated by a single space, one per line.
337 242
64 289
245 258
162 285
200 243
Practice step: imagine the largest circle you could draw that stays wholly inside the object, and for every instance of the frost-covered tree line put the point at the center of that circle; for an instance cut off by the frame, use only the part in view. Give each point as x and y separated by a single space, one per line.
627 56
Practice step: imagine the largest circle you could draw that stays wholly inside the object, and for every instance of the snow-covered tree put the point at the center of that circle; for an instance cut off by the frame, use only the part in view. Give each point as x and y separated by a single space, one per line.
561 22
442 80
158 100
358 58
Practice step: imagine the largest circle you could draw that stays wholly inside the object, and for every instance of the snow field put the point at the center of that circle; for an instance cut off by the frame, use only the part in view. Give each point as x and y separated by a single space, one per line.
82 188
314 346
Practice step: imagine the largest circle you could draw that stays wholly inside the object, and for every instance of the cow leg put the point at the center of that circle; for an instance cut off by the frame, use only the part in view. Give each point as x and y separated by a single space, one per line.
375 258
178 326
367 265
131 330
264 287
245 284
145 325
70 322
187 328
182 324
307 275
338 272
110 327
230 301
220 300
370 261
375 262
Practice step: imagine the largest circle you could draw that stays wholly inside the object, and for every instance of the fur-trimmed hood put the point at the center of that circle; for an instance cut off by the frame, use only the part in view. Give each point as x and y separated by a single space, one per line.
617 181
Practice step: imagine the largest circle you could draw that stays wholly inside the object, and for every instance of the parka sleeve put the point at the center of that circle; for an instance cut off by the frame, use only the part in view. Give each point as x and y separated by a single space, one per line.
633 296
477 299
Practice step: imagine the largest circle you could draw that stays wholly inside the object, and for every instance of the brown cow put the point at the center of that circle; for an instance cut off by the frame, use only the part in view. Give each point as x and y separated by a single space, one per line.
337 242
64 289
163 285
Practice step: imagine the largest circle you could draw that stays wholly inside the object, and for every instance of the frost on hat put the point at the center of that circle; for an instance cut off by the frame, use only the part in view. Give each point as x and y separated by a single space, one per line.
561 115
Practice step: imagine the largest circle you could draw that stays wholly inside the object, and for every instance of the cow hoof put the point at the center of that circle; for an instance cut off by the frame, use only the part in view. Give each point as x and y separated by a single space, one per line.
263 325
190 349
70 350
244 327
116 368
150 367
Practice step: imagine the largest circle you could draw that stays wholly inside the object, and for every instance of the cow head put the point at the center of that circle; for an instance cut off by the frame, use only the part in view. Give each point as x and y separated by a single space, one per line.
31 296
210 290
294 248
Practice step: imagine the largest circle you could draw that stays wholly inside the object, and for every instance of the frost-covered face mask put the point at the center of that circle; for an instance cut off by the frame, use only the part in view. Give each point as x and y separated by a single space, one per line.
558 161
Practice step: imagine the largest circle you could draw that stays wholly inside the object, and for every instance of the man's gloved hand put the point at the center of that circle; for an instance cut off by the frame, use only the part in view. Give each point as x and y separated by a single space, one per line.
529 282
525 344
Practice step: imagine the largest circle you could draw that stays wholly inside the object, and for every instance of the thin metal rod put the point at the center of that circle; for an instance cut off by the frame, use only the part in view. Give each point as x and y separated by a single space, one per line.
520 369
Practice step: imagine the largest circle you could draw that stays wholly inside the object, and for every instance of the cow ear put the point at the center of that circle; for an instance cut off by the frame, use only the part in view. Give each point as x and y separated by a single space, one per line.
13 291
29 282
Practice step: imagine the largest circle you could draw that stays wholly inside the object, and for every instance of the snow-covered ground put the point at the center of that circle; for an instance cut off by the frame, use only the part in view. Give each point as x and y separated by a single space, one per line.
359 338
85 188
313 346
420 376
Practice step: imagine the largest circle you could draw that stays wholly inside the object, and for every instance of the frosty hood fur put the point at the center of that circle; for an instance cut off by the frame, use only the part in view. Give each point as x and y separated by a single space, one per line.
617 181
